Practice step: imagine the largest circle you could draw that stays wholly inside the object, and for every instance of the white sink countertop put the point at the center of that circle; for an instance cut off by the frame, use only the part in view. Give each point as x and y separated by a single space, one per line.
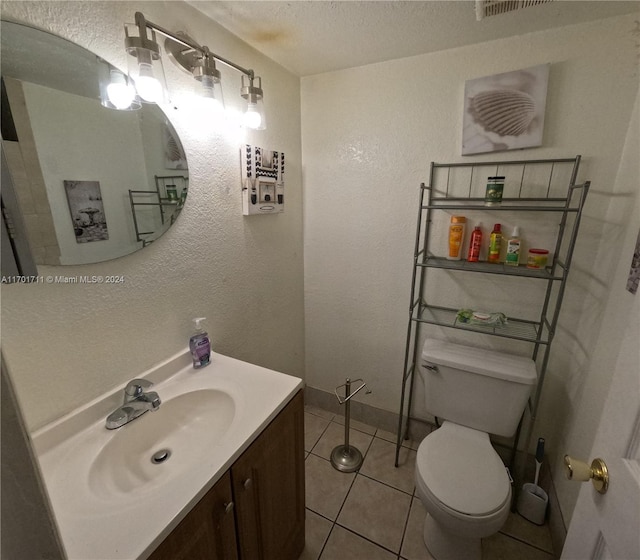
110 501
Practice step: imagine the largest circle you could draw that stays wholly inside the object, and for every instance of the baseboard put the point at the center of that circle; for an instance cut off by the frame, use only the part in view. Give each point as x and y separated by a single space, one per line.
361 412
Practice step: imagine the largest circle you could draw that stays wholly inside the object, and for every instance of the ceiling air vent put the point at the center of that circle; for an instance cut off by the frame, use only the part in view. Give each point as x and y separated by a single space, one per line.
487 8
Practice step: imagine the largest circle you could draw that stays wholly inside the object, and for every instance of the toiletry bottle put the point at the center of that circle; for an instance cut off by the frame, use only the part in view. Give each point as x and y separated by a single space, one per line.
200 346
172 193
513 248
495 186
474 245
456 237
495 244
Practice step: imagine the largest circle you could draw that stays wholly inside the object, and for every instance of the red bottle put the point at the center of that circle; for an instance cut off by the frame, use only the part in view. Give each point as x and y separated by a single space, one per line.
474 245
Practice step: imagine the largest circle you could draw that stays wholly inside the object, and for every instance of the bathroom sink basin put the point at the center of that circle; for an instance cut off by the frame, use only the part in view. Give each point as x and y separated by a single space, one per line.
112 501
160 445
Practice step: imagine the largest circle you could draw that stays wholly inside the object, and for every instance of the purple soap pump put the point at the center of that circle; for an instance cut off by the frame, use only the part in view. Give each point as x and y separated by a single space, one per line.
200 346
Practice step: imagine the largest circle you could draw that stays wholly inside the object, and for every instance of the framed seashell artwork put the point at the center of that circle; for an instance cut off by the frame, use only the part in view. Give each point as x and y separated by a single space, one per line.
173 152
505 111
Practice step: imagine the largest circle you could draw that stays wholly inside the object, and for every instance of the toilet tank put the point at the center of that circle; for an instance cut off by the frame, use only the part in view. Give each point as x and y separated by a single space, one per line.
481 389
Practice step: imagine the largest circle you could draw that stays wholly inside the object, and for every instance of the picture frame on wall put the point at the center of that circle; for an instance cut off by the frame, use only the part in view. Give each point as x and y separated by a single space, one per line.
174 156
87 211
262 180
505 111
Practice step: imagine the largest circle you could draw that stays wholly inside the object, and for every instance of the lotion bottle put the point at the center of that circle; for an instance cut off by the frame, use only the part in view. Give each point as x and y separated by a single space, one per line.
456 237
513 248
200 346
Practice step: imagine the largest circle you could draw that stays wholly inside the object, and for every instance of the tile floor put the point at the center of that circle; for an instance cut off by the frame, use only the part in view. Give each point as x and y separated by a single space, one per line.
374 514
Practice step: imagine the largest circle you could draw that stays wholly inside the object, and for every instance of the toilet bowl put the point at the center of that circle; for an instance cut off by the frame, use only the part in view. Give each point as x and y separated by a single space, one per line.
465 489
460 478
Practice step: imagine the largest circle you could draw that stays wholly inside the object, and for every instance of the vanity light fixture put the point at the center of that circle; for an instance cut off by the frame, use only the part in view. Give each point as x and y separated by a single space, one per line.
198 60
201 64
116 90
145 61
254 116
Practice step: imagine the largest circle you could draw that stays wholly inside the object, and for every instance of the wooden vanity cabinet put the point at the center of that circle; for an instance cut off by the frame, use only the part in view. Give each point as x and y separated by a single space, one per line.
266 487
208 532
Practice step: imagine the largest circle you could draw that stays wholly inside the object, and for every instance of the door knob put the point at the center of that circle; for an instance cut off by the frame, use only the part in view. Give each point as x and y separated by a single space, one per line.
580 471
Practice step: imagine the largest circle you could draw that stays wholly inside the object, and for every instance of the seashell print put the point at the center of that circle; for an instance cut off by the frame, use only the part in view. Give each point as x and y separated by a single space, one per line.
172 149
507 112
173 152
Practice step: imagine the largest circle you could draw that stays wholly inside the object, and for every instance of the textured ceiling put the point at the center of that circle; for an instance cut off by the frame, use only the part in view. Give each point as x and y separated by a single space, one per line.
310 37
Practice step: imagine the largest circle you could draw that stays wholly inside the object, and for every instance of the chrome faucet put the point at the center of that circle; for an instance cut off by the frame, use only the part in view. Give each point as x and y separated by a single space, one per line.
136 403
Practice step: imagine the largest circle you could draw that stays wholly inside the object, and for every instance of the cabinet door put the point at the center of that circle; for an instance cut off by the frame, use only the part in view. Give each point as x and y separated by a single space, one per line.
268 487
208 531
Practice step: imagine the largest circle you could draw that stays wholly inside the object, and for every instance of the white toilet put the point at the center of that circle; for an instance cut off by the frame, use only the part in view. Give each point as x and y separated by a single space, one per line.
460 479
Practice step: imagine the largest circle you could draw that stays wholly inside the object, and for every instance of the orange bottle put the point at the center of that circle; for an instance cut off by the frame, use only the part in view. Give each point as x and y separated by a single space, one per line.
456 237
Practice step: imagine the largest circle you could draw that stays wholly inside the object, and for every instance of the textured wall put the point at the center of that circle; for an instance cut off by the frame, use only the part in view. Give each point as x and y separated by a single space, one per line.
66 344
369 134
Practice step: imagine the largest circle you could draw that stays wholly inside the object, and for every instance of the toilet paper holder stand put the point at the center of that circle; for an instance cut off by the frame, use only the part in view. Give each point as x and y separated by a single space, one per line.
347 458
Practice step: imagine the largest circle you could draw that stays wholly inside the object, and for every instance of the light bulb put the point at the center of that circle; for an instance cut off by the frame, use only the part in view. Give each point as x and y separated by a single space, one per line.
251 90
214 106
252 118
211 102
208 85
120 93
148 86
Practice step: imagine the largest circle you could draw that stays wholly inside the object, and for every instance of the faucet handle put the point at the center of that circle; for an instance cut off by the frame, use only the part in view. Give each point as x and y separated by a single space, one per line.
136 387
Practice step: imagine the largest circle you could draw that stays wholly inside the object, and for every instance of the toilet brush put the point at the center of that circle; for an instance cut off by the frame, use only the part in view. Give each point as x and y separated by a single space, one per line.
539 455
532 504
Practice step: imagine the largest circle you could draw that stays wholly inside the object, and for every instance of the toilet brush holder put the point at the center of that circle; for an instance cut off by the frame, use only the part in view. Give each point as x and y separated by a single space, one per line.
347 458
532 503
533 500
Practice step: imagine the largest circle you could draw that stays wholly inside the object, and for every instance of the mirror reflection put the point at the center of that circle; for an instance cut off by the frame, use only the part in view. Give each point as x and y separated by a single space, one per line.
93 183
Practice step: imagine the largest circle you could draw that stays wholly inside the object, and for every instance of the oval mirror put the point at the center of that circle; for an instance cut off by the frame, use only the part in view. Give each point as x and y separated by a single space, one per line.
92 183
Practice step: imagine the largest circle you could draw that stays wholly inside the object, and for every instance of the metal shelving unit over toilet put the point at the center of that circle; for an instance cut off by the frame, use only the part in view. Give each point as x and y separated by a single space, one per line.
538 333
168 209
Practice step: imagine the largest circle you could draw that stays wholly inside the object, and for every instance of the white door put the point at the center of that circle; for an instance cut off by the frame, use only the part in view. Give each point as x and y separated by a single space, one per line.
607 526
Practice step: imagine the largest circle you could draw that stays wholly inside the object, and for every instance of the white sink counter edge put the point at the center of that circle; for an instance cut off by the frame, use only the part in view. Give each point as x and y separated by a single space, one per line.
93 528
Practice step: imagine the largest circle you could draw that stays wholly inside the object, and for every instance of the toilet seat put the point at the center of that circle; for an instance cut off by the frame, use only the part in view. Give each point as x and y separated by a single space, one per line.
462 472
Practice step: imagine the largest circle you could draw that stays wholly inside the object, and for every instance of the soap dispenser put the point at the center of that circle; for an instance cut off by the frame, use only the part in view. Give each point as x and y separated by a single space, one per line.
200 346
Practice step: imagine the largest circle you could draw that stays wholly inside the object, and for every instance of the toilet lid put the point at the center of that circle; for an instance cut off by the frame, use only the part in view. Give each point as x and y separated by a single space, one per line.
462 470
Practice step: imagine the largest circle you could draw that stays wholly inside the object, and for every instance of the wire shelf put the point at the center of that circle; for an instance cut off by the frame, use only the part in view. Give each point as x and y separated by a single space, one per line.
490 268
517 329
